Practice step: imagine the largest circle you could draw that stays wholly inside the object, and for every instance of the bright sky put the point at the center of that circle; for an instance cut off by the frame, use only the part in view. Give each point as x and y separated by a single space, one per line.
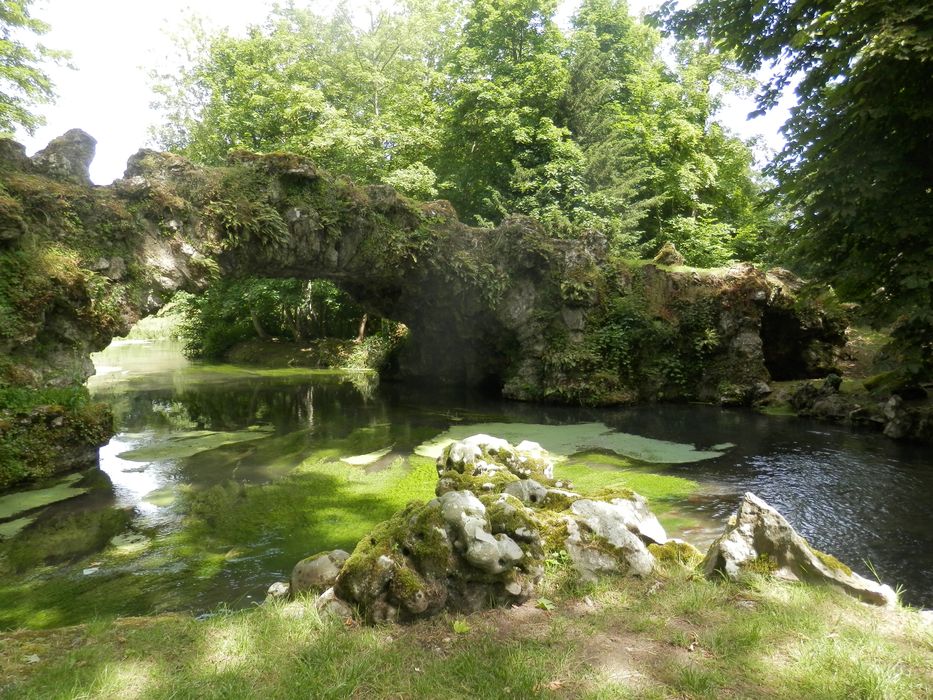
115 43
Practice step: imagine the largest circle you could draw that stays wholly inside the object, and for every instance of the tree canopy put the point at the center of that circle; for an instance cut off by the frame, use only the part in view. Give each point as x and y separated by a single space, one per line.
857 170
23 82
492 106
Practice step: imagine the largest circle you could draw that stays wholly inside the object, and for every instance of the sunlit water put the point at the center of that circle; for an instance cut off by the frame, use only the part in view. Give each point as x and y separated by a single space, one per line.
861 497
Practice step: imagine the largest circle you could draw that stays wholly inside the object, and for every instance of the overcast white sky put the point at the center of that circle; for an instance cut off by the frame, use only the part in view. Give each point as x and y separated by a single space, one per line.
115 43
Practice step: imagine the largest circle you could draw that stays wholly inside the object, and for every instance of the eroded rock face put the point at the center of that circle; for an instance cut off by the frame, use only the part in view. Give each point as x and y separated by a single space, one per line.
68 157
482 546
760 539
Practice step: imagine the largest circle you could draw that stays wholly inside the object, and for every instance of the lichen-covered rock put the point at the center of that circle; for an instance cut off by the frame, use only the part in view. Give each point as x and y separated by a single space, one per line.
471 549
631 512
448 553
317 572
758 538
485 464
676 551
611 537
669 255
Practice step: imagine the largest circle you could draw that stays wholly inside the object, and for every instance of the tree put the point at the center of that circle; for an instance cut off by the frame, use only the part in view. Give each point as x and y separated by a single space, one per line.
651 141
359 101
858 165
23 83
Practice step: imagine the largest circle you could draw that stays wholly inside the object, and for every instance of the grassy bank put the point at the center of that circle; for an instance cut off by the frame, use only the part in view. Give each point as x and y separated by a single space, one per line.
672 635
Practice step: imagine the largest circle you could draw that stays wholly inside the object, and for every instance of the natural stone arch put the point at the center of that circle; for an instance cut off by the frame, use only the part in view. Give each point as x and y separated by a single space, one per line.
541 318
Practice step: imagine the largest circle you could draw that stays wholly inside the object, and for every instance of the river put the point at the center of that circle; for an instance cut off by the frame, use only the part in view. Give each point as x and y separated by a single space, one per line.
205 497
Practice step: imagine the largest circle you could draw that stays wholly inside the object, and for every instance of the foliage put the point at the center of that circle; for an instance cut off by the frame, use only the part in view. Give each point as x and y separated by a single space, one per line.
490 105
23 82
43 432
857 166
233 310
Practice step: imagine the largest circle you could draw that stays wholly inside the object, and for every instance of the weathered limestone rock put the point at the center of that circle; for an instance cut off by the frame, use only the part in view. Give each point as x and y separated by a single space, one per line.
481 463
317 572
611 537
68 157
759 538
631 513
470 549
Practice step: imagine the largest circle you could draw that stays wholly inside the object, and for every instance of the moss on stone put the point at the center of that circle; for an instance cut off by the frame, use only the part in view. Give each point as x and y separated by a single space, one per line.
674 552
763 564
493 482
830 562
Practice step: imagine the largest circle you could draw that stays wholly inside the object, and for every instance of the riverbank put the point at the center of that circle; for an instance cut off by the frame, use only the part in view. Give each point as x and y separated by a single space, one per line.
672 634
867 395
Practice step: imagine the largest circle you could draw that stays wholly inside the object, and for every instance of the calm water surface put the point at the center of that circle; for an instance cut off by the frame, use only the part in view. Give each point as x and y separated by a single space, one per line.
863 498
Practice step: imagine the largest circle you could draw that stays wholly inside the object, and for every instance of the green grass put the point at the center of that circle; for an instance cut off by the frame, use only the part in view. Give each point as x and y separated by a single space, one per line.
673 635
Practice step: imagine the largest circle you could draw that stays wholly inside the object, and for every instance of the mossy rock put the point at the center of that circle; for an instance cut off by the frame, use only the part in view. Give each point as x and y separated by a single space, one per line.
676 552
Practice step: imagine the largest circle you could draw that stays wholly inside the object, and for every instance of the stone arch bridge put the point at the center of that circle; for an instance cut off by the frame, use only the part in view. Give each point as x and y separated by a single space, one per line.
509 307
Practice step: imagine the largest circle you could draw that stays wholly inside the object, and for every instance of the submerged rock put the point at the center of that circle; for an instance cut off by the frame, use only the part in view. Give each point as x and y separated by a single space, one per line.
758 538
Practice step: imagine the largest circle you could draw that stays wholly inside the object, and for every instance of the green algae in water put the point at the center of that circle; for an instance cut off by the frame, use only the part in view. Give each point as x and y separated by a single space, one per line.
564 440
366 459
161 498
179 446
589 479
21 501
12 528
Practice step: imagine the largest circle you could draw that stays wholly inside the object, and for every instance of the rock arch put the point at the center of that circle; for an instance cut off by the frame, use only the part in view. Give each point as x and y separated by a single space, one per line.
538 317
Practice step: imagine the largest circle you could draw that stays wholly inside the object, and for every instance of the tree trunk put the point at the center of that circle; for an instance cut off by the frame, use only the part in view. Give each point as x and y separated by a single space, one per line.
257 325
362 333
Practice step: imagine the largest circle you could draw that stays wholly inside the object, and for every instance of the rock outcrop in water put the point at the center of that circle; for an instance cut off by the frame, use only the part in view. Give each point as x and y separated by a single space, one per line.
480 546
499 517
758 538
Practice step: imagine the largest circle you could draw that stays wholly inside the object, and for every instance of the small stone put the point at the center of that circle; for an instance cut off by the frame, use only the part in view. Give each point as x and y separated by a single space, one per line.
277 591
329 604
317 572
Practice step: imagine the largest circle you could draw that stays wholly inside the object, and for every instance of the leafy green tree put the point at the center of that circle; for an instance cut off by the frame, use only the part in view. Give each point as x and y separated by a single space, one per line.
858 165
502 151
233 310
358 101
652 145
23 82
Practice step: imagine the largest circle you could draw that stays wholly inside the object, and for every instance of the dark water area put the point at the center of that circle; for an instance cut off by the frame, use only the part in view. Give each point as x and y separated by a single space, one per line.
187 427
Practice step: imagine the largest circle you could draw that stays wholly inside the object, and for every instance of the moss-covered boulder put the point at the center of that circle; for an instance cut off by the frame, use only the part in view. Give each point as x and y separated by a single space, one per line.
759 539
485 545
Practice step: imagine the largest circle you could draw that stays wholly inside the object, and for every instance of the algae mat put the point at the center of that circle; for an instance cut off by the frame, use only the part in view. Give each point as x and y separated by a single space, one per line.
191 443
565 440
21 501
